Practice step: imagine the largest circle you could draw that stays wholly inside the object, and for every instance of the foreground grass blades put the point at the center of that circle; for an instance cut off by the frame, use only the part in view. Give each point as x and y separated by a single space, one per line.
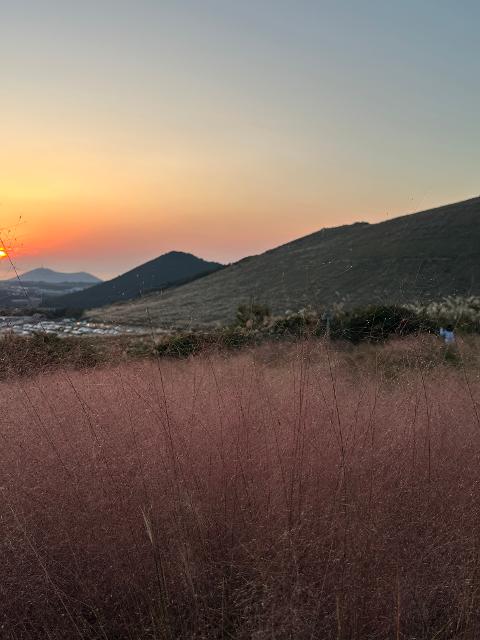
291 492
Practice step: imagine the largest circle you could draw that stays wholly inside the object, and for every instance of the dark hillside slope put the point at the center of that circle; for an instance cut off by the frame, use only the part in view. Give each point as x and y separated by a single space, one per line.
159 273
424 255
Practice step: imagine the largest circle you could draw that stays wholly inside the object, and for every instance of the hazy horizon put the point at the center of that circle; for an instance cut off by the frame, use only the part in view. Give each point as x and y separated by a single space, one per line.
224 129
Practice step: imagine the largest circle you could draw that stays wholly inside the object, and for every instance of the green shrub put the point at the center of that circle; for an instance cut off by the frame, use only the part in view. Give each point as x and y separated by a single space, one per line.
297 325
370 324
236 337
183 345
252 315
378 323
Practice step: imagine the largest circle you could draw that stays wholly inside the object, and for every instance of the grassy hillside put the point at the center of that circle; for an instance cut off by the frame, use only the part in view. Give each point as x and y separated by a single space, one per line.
423 256
159 273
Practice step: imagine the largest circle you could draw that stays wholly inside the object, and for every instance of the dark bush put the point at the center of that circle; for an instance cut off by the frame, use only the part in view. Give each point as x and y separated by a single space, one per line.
378 323
252 315
183 345
236 337
297 324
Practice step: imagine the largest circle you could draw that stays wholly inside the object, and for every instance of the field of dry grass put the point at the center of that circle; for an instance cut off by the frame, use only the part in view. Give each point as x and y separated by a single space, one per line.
286 491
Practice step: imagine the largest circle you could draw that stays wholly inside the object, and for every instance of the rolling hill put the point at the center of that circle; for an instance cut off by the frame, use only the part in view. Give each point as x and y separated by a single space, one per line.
169 269
49 276
423 255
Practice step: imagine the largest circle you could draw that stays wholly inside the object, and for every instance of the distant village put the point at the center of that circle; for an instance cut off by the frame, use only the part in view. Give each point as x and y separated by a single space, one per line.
21 299
28 325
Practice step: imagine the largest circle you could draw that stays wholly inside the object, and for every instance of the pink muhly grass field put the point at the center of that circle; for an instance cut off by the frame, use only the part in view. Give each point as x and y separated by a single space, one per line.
250 496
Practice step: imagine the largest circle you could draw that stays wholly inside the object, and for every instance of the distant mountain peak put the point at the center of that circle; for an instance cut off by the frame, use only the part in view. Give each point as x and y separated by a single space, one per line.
169 269
44 274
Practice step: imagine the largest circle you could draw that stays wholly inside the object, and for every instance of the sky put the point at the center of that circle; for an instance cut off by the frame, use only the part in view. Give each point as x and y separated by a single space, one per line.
129 128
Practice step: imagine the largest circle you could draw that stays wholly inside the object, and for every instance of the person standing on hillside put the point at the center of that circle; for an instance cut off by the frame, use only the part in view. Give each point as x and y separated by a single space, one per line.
448 334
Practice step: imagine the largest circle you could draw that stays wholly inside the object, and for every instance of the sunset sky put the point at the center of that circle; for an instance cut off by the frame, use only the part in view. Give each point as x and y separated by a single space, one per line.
132 127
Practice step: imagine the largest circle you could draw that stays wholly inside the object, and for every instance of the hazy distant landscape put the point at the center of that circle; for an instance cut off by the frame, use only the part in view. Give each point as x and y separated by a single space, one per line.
420 257
35 287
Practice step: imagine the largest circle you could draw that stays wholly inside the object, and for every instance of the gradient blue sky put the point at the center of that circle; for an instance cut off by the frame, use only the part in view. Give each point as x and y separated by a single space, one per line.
129 128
